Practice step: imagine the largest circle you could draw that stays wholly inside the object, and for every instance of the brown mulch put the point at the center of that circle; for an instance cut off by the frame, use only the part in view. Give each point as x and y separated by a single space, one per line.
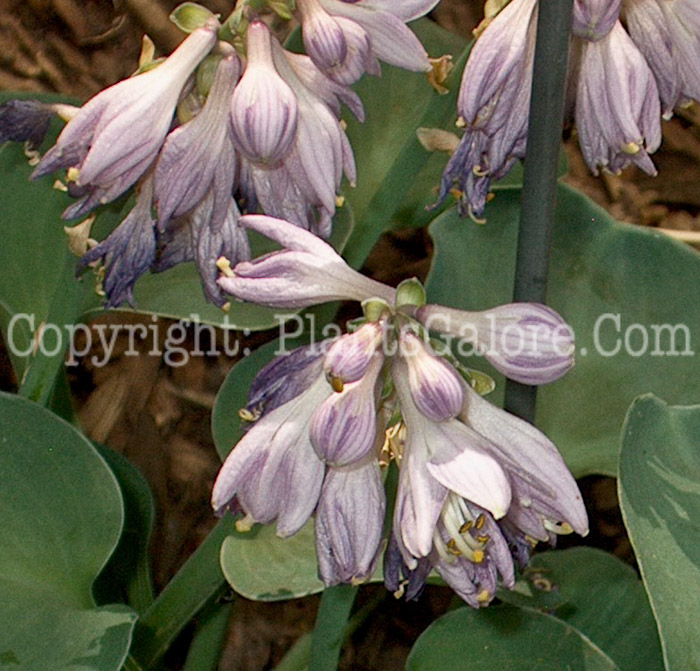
159 416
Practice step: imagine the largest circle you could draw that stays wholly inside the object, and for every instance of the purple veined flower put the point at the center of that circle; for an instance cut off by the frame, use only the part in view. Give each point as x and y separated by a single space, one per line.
117 134
308 271
527 342
617 105
263 107
384 22
273 471
340 47
27 120
128 252
344 427
594 19
493 104
349 357
349 522
199 156
330 92
435 386
545 498
668 34
439 458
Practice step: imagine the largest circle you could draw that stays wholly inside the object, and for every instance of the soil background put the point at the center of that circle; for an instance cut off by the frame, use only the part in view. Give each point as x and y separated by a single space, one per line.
159 416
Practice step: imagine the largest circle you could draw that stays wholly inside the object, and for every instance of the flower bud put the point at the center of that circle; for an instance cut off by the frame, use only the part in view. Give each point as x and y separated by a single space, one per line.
436 388
594 19
263 108
349 356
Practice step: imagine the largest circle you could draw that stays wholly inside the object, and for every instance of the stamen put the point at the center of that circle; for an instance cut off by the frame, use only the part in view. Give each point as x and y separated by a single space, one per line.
485 538
224 265
561 528
484 596
631 148
466 526
480 521
249 415
244 524
336 383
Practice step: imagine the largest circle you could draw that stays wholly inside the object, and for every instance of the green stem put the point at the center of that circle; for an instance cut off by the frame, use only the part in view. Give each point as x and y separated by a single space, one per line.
331 623
539 194
197 584
208 642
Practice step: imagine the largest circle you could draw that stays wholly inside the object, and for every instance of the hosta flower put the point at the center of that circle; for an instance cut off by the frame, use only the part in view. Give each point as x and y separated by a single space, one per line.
307 272
617 105
28 120
263 107
116 136
199 156
493 104
477 486
526 342
616 77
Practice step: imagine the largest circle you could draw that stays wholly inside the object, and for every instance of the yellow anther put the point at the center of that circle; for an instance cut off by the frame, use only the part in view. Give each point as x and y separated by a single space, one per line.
339 201
484 596
466 526
483 539
478 556
480 521
224 265
226 306
60 186
72 174
542 584
453 549
631 148
479 171
336 383
562 528
461 122
244 524
248 415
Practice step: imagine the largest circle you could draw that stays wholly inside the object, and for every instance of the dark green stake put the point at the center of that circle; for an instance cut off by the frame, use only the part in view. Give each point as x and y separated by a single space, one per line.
539 195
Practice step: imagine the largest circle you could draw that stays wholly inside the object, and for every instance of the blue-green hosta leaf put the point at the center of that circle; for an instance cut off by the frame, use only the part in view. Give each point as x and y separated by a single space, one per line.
604 599
62 517
505 638
601 271
660 499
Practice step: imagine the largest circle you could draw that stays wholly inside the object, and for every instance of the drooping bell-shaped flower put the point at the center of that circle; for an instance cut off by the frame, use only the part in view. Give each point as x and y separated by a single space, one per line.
594 19
117 134
28 120
273 472
128 252
344 427
384 23
199 156
263 107
617 105
527 342
349 522
493 105
307 272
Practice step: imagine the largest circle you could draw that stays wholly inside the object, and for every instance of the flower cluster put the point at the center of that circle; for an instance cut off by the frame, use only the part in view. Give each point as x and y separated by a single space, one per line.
620 83
221 125
477 487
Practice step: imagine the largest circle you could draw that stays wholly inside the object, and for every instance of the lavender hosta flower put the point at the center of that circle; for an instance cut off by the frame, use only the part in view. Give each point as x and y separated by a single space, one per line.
128 252
617 105
214 238
199 157
436 387
350 356
384 22
527 342
263 107
339 47
493 104
330 92
307 272
29 120
273 472
594 19
668 35
116 135
284 378
349 521
344 426
440 457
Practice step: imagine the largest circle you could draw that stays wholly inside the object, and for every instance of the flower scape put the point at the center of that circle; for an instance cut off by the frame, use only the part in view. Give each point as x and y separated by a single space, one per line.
477 487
